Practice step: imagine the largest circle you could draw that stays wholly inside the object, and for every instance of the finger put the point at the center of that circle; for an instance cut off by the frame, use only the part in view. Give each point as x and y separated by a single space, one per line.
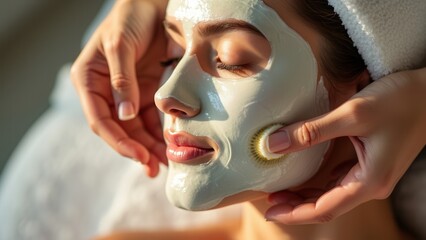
329 206
152 168
115 136
301 135
100 119
156 148
151 118
285 197
295 198
141 135
154 128
159 151
121 63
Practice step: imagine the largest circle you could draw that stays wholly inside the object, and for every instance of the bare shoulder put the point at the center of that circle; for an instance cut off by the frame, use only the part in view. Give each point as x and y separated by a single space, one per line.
227 230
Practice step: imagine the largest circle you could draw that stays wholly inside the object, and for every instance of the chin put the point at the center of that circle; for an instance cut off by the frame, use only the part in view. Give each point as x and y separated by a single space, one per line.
246 196
241 197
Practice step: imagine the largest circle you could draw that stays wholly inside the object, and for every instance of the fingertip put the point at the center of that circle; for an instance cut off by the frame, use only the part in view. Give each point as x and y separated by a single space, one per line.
301 135
164 160
124 84
304 213
287 139
279 141
161 154
133 150
152 168
126 111
278 213
324 209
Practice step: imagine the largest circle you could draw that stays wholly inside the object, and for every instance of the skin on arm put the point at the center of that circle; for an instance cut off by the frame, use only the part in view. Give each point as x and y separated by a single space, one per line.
386 123
116 76
227 230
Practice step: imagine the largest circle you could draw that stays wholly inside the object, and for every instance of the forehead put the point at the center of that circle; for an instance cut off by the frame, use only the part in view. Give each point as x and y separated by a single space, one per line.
204 10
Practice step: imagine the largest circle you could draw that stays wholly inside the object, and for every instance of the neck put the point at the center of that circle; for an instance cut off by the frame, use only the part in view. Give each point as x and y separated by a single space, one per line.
372 220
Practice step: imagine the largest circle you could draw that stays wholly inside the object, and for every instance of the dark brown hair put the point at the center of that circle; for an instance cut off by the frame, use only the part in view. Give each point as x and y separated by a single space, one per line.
339 57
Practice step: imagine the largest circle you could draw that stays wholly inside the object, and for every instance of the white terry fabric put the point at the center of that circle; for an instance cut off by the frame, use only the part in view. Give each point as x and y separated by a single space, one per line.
390 34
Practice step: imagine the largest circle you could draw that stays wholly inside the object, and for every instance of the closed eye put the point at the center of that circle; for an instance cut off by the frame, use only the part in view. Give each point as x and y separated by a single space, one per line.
236 69
170 62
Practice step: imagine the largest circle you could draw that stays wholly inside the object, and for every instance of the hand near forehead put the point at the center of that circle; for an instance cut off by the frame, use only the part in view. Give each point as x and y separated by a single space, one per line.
116 76
386 123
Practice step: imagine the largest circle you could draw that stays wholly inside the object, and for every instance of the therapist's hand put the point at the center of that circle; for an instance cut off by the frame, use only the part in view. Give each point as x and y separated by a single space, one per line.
386 123
116 76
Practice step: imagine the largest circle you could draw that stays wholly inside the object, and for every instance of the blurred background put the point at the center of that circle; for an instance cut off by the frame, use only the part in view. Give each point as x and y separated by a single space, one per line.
36 39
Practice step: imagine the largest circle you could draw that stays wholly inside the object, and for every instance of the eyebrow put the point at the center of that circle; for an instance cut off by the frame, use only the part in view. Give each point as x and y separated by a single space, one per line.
172 27
206 29
212 28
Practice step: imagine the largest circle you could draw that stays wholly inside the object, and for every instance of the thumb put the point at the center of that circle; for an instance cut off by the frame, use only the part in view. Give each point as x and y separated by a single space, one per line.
121 63
301 135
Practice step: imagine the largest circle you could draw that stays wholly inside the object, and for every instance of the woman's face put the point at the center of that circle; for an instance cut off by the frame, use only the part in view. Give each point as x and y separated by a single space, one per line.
242 68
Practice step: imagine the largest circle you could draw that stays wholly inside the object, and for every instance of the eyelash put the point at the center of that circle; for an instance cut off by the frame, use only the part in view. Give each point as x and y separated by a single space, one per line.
236 69
169 62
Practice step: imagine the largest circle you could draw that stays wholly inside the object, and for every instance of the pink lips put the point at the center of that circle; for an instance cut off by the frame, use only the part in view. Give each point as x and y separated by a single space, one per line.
186 148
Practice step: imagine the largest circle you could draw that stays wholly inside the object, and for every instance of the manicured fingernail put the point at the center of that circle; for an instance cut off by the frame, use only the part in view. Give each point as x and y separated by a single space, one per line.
126 111
271 217
278 141
278 213
270 220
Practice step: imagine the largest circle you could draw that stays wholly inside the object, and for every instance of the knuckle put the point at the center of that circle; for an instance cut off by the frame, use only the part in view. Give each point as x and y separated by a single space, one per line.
80 77
308 134
113 44
121 82
358 111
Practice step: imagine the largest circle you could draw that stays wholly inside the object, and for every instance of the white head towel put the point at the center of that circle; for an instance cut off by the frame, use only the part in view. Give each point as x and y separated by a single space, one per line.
390 34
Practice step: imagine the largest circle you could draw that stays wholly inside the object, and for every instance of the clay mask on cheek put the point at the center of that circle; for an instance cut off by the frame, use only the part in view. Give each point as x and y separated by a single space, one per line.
233 111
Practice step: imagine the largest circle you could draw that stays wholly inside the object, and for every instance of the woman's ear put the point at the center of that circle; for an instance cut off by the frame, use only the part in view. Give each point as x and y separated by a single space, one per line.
363 80
340 91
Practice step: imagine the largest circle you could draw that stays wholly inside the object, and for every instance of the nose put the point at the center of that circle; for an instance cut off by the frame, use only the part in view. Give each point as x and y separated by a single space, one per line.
179 96
176 108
